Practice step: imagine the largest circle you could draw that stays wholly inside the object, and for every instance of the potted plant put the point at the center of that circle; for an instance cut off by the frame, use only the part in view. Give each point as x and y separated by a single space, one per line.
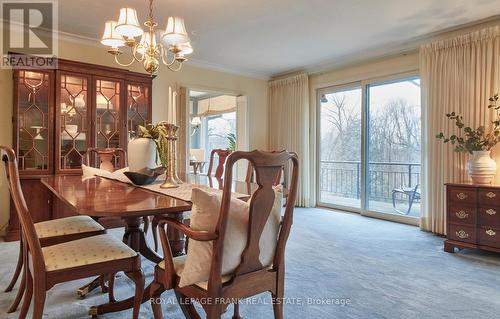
478 142
148 145
231 139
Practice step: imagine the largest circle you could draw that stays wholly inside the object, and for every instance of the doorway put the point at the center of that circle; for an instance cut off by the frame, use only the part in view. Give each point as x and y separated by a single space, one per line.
214 120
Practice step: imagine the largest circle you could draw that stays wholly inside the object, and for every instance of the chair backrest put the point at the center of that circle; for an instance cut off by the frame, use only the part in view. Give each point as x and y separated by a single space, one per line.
222 154
27 227
250 176
109 159
267 166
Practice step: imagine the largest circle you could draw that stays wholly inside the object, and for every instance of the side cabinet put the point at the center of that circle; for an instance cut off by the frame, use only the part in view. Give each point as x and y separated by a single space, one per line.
473 217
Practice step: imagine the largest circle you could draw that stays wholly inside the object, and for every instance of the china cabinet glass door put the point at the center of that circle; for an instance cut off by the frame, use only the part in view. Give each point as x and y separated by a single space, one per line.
73 108
108 127
33 121
138 96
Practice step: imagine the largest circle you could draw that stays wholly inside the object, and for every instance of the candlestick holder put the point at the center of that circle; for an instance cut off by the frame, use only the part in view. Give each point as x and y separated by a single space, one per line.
175 131
171 178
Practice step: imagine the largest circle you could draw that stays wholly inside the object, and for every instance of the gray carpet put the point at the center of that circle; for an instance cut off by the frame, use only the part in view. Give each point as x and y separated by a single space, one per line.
380 269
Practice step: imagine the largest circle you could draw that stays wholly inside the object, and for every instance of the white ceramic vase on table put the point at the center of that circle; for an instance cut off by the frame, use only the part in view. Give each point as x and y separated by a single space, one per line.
481 167
141 154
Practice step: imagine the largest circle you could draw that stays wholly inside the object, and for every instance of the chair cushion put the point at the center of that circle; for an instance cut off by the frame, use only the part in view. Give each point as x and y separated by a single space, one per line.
86 251
179 268
205 214
67 226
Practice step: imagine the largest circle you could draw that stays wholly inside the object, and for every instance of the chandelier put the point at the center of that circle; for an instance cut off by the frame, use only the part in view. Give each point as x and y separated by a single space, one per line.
174 41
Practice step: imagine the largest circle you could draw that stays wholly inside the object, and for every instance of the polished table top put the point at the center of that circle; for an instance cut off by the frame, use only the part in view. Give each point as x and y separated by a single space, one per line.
101 197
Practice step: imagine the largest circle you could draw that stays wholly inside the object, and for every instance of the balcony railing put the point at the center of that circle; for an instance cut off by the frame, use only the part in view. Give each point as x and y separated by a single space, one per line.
342 178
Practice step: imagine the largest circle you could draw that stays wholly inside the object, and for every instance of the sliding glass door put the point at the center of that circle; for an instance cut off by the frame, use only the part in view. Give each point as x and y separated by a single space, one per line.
340 147
369 148
393 139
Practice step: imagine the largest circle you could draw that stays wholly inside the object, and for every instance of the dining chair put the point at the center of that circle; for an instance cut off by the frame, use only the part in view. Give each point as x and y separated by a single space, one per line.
250 277
222 155
52 232
47 266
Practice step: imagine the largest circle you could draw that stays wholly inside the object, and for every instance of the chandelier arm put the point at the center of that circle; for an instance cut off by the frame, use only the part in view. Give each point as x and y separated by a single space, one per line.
164 57
134 52
175 69
124 64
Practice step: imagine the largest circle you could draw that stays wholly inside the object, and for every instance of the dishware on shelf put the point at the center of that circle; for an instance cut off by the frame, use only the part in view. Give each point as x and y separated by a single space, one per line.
72 129
38 130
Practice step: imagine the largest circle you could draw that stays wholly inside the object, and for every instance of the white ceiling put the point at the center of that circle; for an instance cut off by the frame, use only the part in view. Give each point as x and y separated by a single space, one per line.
269 37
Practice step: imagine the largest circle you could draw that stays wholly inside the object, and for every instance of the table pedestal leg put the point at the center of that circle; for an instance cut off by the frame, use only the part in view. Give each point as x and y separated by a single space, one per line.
136 239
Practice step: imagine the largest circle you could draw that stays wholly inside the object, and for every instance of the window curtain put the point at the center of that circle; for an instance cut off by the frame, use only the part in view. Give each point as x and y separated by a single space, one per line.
288 102
458 74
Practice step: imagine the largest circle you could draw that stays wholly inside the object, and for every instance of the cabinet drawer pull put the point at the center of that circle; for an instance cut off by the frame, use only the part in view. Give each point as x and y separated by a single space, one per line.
490 195
462 234
462 196
462 214
491 232
491 212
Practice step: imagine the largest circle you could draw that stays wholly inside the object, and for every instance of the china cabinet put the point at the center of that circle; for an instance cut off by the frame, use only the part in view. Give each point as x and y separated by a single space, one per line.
59 114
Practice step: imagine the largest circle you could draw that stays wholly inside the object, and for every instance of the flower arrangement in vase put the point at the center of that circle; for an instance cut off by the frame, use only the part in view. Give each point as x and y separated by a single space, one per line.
478 142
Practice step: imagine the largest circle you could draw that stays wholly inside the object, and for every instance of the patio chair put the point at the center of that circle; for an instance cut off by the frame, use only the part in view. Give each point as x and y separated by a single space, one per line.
413 194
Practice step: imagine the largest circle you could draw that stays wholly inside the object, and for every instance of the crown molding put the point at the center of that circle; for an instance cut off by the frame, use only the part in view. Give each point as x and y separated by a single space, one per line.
75 38
394 49
218 68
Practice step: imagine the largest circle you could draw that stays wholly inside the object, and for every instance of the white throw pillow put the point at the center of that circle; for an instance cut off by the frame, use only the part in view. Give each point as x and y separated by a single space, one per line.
205 214
89 171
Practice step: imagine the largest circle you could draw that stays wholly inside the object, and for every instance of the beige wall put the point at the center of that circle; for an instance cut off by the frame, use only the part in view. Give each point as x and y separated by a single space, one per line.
190 76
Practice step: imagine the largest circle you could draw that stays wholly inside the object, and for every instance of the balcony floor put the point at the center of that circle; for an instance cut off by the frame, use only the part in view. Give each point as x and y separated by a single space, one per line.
377 206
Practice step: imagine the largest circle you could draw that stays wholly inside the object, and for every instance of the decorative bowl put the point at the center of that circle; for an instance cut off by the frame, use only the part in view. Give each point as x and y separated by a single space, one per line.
145 176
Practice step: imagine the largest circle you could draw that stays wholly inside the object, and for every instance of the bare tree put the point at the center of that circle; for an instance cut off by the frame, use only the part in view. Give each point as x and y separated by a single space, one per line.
345 120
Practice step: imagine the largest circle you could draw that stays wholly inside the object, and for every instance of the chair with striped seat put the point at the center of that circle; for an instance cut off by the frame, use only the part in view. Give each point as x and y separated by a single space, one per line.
47 266
53 232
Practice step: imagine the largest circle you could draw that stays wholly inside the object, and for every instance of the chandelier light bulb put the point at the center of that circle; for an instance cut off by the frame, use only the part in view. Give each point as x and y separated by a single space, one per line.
110 37
186 48
128 24
175 33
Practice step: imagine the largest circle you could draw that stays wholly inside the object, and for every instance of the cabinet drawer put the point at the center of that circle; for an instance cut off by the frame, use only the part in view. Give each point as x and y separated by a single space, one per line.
462 195
488 216
464 233
489 197
462 214
489 236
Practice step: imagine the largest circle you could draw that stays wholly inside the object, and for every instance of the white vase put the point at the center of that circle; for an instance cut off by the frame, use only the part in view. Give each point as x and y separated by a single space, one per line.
141 154
482 168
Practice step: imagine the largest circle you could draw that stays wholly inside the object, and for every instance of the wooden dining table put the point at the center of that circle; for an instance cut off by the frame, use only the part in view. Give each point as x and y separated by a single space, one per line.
100 197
